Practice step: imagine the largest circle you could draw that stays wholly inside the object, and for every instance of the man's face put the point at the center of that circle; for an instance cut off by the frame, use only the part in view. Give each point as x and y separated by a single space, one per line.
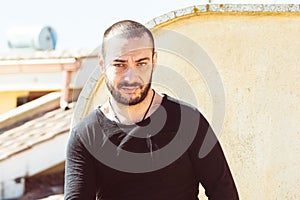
128 67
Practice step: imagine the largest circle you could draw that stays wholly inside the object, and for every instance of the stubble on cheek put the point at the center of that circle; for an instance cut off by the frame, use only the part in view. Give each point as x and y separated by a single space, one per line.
128 99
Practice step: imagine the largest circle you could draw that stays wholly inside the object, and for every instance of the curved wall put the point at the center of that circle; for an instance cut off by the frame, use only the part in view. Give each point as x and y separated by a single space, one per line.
255 51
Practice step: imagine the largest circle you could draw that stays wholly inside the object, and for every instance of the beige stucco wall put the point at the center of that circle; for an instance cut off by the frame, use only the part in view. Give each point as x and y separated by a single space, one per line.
257 58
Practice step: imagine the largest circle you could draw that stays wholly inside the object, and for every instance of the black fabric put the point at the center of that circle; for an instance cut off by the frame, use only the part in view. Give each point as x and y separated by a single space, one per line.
86 177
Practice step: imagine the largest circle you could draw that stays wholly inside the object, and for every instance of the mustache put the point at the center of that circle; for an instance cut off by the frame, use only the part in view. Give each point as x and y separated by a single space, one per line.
126 84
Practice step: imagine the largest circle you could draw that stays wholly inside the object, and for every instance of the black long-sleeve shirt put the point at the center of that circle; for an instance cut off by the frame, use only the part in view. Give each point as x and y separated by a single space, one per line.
155 159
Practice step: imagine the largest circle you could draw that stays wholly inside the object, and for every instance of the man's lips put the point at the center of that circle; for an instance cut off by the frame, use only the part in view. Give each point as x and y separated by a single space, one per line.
129 90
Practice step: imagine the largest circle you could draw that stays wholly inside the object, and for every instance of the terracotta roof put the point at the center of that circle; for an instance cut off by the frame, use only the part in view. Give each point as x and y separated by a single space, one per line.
33 132
21 54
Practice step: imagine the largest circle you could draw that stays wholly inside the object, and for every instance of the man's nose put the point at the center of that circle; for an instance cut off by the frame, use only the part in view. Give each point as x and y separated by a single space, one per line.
130 72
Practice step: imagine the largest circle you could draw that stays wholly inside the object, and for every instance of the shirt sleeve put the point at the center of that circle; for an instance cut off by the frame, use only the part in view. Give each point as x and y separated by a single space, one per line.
79 171
210 164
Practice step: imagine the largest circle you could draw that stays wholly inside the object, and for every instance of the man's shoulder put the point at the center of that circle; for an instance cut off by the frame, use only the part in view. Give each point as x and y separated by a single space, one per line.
171 101
89 121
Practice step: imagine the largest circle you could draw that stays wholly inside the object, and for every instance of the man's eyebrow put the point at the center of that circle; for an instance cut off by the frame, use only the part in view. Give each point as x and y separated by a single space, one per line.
139 60
142 59
119 60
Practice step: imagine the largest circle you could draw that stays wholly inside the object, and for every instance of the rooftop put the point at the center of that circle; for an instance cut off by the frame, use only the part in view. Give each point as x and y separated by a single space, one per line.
23 54
29 150
33 132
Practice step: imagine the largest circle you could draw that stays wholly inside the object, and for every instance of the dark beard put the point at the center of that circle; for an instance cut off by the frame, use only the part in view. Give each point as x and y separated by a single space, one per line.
120 99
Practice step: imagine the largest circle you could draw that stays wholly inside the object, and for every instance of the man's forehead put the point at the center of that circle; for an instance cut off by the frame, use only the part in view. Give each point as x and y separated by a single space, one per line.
117 47
128 44
134 53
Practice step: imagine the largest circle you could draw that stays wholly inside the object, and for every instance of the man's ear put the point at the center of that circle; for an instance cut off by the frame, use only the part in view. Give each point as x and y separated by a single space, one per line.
154 60
101 63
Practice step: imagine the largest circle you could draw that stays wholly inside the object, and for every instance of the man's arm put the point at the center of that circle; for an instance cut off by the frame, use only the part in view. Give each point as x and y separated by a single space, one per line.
79 171
212 170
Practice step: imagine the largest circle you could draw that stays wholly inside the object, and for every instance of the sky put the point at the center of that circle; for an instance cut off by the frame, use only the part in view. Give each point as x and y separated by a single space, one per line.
80 24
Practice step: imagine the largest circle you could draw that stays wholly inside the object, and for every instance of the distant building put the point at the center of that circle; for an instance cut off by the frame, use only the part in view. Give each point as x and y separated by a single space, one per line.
38 90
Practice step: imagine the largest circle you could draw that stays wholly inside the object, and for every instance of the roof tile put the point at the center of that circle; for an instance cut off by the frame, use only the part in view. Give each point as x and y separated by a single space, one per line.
34 132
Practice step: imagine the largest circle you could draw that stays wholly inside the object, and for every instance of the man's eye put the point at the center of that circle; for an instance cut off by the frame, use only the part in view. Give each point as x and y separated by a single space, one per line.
142 64
119 65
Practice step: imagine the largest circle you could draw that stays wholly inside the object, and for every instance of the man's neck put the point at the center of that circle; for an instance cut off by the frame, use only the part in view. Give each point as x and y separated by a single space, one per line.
130 114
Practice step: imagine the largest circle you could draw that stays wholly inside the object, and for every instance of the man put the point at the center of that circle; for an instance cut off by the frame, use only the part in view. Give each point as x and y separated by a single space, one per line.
141 144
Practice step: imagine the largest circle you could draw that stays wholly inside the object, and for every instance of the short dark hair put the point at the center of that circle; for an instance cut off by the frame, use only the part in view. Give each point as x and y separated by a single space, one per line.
127 29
